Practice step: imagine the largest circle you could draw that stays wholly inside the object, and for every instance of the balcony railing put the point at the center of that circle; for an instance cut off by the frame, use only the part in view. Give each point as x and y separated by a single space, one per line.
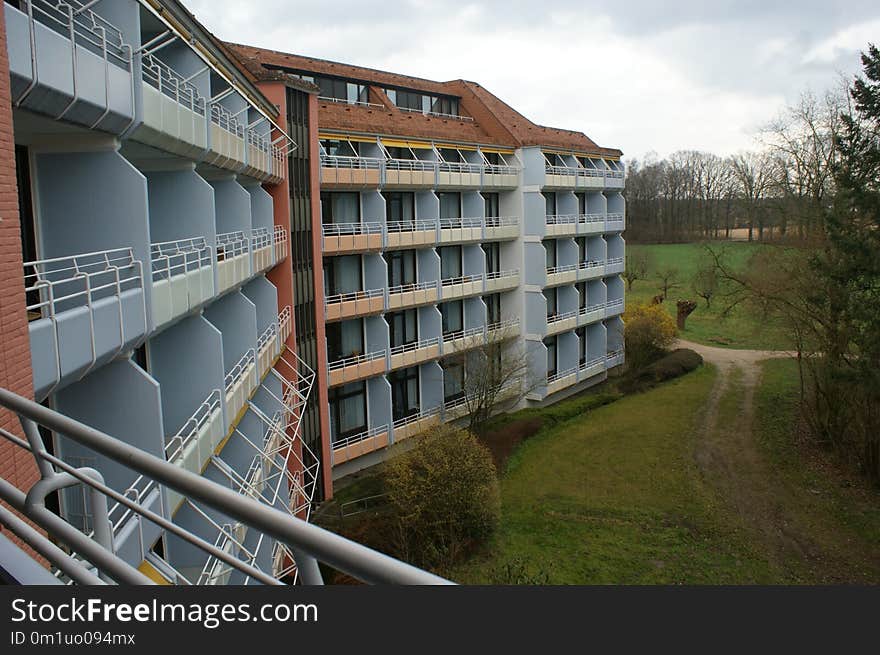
281 243
183 277
171 84
457 117
95 561
192 445
354 103
224 119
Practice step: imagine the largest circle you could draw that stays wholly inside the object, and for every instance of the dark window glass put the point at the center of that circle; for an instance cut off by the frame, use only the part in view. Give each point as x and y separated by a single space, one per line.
582 203
551 295
403 327
342 275
453 380
409 100
452 317
450 262
348 410
399 207
550 342
492 251
450 205
582 248
582 294
332 88
340 207
550 204
404 392
491 200
493 308
582 345
550 248
401 267
345 339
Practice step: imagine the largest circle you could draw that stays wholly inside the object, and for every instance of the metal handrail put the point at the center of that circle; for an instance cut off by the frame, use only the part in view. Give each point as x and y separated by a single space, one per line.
77 21
170 83
308 543
415 418
461 223
345 161
591 363
462 279
591 218
421 225
231 244
239 369
560 219
438 114
459 167
410 164
614 260
360 436
561 375
354 360
349 229
552 270
191 427
592 308
593 263
353 295
170 258
501 221
503 325
225 120
556 318
501 169
497 275
461 334
411 286
414 345
261 238
346 101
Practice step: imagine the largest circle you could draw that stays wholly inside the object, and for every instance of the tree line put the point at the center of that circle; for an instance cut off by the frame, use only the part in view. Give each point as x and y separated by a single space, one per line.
779 190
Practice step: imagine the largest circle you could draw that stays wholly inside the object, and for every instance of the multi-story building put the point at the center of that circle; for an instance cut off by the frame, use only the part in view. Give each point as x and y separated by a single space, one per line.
148 284
446 218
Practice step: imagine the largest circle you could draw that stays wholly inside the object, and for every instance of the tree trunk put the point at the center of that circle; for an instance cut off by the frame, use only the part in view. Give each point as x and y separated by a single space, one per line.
684 309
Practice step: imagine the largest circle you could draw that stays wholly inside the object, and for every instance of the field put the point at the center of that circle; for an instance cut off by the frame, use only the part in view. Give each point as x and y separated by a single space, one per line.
741 329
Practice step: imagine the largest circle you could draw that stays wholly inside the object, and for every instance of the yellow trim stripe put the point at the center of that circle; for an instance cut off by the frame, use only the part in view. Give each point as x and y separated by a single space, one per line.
346 137
406 144
453 146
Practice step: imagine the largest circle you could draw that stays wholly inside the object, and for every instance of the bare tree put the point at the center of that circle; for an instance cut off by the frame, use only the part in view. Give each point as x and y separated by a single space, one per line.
753 172
669 280
705 283
638 265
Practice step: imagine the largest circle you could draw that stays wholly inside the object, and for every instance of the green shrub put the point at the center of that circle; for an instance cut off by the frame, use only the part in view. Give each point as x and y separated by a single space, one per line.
672 365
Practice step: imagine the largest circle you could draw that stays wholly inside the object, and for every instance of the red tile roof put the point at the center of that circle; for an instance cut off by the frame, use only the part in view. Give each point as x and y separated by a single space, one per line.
495 122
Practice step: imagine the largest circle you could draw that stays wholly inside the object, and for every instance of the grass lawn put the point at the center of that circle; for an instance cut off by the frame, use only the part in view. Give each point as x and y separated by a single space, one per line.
741 329
617 498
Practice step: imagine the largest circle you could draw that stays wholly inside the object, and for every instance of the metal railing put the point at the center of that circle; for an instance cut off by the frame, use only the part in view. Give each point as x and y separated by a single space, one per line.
422 225
411 286
449 337
414 346
461 223
224 119
415 418
438 114
261 238
170 258
459 167
350 229
462 279
353 296
562 219
355 360
592 308
594 263
591 218
346 101
500 275
567 268
561 375
307 544
171 84
591 363
348 162
501 221
239 369
557 318
410 165
338 444
189 431
231 244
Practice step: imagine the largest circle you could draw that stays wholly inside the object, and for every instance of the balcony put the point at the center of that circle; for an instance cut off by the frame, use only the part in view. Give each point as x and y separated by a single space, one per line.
262 250
461 287
614 265
82 310
410 234
591 178
614 179
183 277
498 281
282 244
591 224
69 63
412 295
615 222
196 441
614 358
500 177
233 260
409 173
454 342
591 270
175 116
558 275
227 142
497 228
502 330
591 314
461 230
417 352
458 174
344 450
240 382
350 172
560 177
356 367
264 159
342 238
268 348
562 380
591 368
562 225
455 408
357 303
557 323
410 426
284 326
614 307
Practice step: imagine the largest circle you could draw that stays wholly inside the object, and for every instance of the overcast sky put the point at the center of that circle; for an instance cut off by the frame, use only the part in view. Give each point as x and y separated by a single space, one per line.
641 75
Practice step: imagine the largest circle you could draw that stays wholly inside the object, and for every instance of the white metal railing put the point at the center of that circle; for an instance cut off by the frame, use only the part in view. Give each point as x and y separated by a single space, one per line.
231 244
615 217
553 270
261 238
560 375
268 337
592 308
346 101
353 295
501 221
460 223
458 167
260 141
281 239
462 334
347 162
77 21
463 279
422 225
500 169
349 229
62 283
591 218
414 345
455 403
562 219
361 436
411 286
355 360
503 325
171 84
614 353
500 275
614 304
438 114
415 418
284 324
561 170
591 363
170 258
556 318
224 119
594 263
590 172
240 369
192 427
614 260
410 164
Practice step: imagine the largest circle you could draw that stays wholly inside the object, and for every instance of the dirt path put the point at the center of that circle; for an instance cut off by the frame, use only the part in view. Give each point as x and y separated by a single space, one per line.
731 463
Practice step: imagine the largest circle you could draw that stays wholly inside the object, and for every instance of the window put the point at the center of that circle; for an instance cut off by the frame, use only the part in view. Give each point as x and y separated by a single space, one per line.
405 99
451 317
336 148
399 207
493 308
582 294
550 343
403 327
582 248
451 156
582 345
345 339
491 200
401 267
450 205
550 248
444 105
332 88
342 275
404 392
550 204
493 256
348 410
582 203
450 262
453 380
551 296
340 207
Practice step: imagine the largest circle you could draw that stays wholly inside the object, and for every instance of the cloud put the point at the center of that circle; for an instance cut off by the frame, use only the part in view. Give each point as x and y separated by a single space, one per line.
640 75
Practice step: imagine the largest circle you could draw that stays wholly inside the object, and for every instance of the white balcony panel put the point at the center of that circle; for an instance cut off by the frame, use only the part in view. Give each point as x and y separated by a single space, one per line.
183 278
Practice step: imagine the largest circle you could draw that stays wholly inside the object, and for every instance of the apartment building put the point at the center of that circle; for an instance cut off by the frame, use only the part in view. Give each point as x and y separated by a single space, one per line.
448 218
148 285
